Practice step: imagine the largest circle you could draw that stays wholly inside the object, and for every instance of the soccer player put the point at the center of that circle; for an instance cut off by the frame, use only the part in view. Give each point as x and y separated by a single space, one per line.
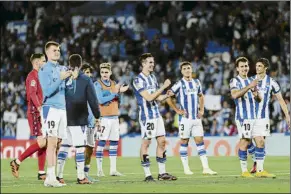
34 101
108 93
267 87
191 101
243 92
54 81
148 93
91 131
77 117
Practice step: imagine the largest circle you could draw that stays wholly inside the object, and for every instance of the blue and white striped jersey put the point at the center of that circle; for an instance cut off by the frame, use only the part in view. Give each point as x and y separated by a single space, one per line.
187 96
147 110
245 105
267 87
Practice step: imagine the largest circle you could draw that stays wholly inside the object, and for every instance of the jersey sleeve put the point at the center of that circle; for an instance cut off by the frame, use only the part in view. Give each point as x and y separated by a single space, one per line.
233 84
176 87
275 86
102 97
139 84
32 88
200 91
48 85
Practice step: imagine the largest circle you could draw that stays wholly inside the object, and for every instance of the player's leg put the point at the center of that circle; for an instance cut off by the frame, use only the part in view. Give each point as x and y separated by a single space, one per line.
62 156
146 141
198 133
242 151
55 127
102 136
251 152
41 156
79 140
35 130
90 144
113 145
161 157
184 132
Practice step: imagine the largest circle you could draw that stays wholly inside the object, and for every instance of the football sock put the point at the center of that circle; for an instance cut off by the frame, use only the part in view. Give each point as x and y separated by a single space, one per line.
162 163
80 162
28 152
202 153
112 155
41 156
251 151
62 155
99 154
184 155
243 160
146 165
260 156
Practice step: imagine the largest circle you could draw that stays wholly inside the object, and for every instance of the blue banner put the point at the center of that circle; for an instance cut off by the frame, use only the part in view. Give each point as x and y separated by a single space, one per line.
20 26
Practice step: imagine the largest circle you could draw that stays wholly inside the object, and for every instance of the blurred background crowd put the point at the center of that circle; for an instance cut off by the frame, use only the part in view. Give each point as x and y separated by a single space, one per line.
208 34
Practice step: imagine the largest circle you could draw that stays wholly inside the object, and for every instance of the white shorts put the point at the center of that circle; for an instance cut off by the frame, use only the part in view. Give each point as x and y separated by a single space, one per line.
245 129
152 128
261 127
91 136
190 128
54 122
76 136
109 129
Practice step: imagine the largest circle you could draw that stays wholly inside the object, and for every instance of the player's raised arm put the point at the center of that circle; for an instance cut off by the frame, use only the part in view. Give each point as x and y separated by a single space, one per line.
236 92
150 97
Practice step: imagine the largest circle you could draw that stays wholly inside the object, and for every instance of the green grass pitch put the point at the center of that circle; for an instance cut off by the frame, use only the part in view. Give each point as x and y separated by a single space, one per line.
228 179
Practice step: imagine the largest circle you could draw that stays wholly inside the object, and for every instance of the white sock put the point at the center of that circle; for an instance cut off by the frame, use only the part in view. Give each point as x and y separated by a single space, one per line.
147 171
62 156
204 161
80 162
202 153
17 161
184 156
41 172
51 173
260 165
112 155
112 163
99 154
162 168
244 165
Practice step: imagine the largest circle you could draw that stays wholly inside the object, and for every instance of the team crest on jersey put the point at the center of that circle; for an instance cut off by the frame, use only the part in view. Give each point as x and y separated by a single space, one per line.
32 83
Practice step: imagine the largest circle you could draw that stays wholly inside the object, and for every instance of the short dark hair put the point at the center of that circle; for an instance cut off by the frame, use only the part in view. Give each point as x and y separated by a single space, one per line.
241 59
86 66
144 57
265 62
51 43
75 60
184 63
36 56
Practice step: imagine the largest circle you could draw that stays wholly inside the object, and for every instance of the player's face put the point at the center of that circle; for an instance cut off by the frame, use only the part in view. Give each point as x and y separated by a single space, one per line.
186 71
243 69
53 53
149 64
105 73
39 62
88 72
260 68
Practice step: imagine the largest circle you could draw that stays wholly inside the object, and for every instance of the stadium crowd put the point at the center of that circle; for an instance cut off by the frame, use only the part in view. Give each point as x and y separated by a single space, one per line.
247 31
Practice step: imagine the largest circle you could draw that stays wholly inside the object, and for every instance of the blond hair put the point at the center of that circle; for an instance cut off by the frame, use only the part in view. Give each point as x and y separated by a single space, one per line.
105 65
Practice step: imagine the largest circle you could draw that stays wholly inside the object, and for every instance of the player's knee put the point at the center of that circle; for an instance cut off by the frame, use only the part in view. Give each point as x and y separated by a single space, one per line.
260 142
162 143
41 142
